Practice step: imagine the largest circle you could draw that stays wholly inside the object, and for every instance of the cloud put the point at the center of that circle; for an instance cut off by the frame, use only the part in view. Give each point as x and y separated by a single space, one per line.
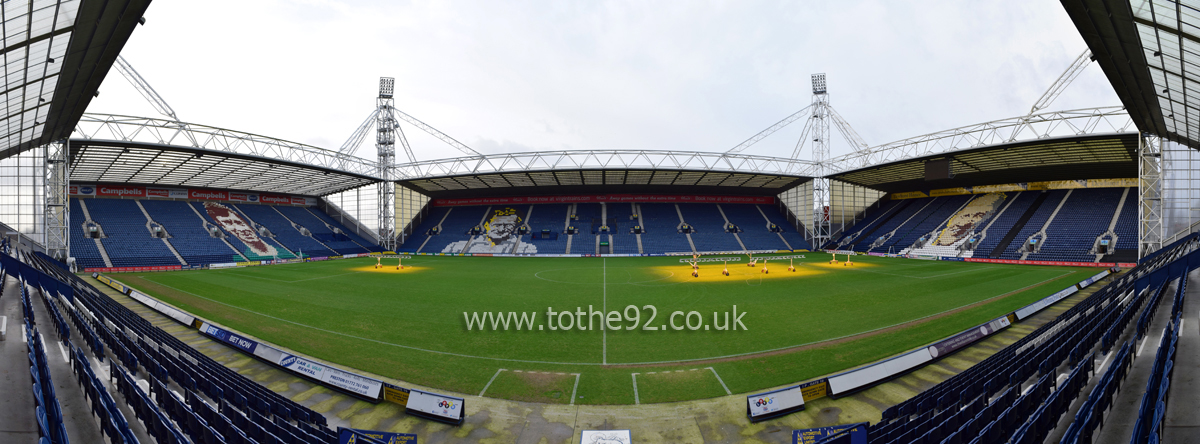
535 75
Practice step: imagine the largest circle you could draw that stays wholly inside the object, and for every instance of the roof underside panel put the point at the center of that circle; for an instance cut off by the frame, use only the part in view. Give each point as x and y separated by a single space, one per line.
56 54
1086 157
122 162
603 181
1150 51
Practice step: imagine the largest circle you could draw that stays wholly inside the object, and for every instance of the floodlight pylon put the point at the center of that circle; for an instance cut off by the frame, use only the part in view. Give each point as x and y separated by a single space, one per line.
820 151
385 145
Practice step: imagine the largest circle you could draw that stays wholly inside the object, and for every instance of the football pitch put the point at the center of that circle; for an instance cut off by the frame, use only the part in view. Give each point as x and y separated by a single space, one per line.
558 326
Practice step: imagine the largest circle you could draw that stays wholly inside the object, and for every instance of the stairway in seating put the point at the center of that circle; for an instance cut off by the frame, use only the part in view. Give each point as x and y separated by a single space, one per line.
881 221
99 246
1016 228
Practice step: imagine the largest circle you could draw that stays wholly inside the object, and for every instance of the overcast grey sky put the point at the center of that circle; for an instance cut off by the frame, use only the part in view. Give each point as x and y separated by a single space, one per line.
507 76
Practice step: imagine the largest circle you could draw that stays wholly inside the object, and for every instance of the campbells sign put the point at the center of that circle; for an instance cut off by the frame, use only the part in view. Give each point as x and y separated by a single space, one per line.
193 193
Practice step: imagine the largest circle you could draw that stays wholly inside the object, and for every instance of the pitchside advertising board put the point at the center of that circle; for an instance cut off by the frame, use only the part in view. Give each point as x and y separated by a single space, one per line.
354 436
351 382
189 193
229 337
773 404
440 407
858 434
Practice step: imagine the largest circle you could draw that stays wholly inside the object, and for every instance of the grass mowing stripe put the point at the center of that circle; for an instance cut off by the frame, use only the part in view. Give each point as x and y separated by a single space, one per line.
677 361
375 340
421 310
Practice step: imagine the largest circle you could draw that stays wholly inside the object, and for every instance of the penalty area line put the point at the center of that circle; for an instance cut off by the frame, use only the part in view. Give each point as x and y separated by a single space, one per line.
604 306
489 384
727 392
575 389
636 400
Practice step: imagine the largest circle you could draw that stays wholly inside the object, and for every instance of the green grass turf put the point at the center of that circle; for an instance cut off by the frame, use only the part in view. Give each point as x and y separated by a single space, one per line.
410 325
544 387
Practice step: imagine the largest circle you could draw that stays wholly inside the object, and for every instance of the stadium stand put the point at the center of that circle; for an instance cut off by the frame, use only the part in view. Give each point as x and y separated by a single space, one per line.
887 229
1018 394
188 234
179 394
872 220
547 218
421 234
934 216
457 223
992 234
285 233
948 239
84 250
127 240
330 221
755 234
793 238
662 232
710 232
202 212
1127 232
1082 219
1037 219
323 231
623 240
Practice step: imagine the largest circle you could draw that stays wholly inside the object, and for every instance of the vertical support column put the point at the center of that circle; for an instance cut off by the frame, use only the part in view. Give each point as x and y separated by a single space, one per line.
56 167
1150 194
820 134
385 144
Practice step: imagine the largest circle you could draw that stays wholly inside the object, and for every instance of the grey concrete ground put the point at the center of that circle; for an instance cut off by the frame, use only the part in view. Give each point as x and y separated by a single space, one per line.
490 420
17 421
1182 421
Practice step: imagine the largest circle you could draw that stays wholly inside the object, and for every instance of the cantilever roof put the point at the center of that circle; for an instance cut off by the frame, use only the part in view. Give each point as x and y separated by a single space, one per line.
1150 51
1104 156
104 161
603 180
56 53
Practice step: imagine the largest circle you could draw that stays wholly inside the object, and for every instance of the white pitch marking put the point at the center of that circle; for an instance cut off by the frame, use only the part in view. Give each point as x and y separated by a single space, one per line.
604 308
727 392
527 361
489 384
635 393
575 389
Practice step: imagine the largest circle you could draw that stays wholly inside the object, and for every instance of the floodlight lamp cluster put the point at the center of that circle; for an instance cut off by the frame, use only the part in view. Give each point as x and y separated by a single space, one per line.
386 86
818 83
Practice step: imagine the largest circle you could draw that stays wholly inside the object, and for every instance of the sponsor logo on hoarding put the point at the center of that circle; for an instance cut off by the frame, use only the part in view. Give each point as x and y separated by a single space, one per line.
208 195
252 198
122 191
287 361
87 190
299 201
275 199
157 192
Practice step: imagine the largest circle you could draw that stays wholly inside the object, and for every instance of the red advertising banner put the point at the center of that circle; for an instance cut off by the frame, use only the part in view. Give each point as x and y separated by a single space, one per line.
132 269
123 191
1053 263
192 193
207 195
270 199
650 198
